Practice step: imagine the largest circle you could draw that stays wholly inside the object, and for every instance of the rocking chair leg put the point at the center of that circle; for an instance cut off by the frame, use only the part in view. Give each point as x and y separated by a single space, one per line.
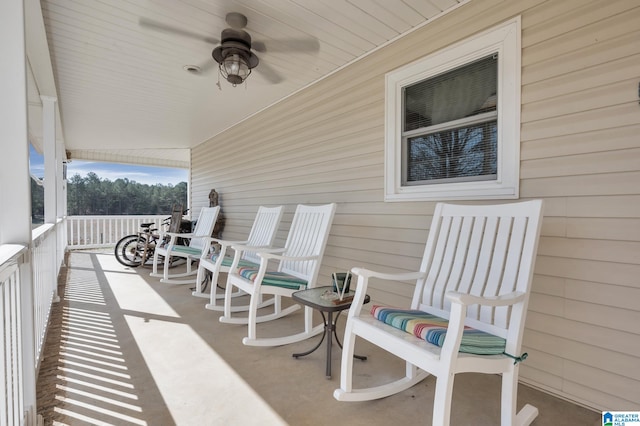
200 279
154 270
213 292
227 301
442 400
198 288
508 403
166 267
253 316
508 415
348 349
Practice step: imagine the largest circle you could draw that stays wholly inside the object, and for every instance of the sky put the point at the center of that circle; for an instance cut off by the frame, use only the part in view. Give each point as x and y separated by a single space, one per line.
112 171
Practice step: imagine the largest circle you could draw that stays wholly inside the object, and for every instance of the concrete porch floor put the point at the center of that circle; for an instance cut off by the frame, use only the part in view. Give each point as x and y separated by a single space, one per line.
125 349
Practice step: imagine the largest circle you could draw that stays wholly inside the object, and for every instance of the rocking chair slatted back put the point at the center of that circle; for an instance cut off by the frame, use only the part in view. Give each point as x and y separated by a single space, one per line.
204 227
263 231
472 250
307 237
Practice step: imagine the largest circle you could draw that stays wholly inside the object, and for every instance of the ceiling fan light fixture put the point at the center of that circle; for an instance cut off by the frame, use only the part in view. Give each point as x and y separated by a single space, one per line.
234 56
235 68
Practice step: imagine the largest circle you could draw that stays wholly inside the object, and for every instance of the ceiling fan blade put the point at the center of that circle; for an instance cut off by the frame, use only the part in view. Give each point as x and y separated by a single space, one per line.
258 46
166 28
270 74
287 45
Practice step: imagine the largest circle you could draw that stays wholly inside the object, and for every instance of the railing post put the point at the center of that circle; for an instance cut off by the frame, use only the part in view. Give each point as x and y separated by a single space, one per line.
28 336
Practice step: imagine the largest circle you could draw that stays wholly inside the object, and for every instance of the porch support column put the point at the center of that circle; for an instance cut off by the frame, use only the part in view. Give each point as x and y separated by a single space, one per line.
15 213
61 191
61 204
52 176
50 160
15 192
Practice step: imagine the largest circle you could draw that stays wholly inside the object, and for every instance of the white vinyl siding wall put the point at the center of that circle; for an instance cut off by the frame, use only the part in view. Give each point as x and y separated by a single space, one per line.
580 151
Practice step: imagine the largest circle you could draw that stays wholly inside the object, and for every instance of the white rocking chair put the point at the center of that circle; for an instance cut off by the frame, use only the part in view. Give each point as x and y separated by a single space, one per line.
198 244
468 309
298 266
261 236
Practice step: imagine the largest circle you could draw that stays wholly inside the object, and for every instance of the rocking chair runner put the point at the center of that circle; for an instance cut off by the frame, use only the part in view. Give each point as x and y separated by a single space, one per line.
298 265
468 309
261 236
198 244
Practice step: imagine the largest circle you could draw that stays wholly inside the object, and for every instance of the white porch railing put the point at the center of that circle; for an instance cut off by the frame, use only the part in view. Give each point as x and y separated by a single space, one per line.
45 264
11 349
104 231
28 287
26 282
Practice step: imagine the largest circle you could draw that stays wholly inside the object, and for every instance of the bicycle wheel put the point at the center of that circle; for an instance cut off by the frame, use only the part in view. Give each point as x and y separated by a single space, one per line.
129 250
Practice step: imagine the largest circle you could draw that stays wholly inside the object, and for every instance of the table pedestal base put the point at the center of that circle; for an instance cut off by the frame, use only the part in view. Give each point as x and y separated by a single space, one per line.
329 334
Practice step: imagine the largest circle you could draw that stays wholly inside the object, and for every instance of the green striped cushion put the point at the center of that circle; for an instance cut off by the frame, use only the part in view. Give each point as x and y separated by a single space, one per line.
228 260
277 279
433 329
187 250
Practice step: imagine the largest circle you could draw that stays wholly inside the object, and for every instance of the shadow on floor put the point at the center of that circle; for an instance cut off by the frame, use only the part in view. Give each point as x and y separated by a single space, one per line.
85 375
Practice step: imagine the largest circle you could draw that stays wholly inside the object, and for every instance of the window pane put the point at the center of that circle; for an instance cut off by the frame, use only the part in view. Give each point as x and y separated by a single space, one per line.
460 154
462 92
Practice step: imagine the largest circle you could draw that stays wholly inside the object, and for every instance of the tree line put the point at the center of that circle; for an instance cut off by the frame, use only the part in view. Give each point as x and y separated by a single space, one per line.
92 195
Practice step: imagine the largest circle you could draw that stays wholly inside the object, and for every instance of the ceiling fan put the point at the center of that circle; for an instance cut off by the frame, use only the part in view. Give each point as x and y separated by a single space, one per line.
235 51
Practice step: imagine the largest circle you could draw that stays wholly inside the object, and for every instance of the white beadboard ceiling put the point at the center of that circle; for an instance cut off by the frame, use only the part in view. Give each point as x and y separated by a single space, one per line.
117 65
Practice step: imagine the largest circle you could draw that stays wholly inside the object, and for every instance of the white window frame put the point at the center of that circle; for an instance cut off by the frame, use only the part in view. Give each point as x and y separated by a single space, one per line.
504 40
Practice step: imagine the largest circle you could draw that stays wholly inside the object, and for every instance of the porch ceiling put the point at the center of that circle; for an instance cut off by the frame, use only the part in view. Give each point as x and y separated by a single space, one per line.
120 84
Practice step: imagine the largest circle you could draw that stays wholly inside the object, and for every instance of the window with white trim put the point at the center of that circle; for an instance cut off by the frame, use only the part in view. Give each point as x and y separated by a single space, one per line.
453 121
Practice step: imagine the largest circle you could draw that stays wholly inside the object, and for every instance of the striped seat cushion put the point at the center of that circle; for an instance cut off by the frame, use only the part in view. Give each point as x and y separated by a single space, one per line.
187 250
433 329
228 260
277 279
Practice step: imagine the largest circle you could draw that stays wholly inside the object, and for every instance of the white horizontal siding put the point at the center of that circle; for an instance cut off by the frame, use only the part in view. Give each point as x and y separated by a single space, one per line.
580 151
580 148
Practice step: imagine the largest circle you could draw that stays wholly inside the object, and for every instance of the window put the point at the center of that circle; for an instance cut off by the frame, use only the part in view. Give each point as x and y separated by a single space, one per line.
453 121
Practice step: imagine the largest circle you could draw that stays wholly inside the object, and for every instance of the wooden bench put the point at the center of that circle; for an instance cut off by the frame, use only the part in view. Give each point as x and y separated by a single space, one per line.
468 308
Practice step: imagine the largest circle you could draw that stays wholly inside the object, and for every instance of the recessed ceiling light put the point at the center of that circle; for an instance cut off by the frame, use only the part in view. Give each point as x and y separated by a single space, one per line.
193 69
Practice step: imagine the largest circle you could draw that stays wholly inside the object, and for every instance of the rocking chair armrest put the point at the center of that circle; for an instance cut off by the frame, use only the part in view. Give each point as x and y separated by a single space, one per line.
177 234
502 300
385 276
225 242
362 284
267 255
260 249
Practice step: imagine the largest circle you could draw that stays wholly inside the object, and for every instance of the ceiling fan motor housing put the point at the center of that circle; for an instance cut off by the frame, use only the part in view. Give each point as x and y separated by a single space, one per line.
235 41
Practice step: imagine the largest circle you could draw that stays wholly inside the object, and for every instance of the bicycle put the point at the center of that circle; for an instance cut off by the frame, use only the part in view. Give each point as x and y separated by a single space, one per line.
138 249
